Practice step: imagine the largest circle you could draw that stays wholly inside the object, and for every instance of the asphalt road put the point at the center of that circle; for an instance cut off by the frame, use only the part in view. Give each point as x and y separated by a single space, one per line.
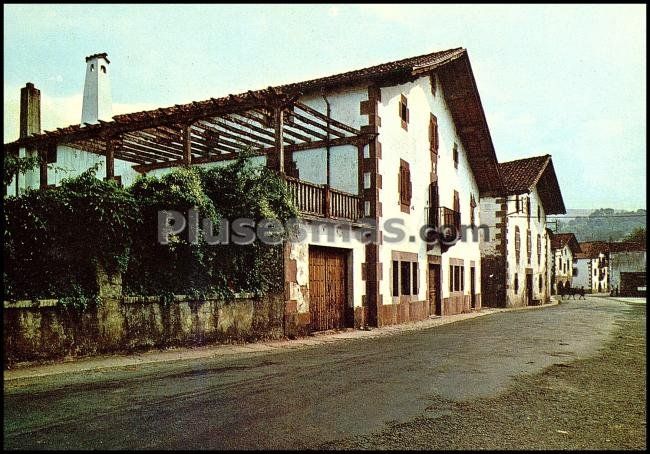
300 398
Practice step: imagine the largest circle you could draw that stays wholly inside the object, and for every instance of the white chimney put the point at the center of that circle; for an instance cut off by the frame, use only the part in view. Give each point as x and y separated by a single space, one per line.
97 90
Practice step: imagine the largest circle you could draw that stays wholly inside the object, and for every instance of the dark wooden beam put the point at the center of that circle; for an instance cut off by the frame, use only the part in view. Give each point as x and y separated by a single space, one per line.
153 147
316 124
187 145
278 122
252 139
271 133
220 133
42 154
264 135
146 154
333 122
356 140
110 159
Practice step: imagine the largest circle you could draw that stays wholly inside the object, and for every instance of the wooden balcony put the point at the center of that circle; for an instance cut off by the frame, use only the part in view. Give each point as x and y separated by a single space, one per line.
446 222
322 201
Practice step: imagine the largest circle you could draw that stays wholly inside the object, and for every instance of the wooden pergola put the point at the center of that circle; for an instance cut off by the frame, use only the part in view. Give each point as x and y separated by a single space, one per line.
268 122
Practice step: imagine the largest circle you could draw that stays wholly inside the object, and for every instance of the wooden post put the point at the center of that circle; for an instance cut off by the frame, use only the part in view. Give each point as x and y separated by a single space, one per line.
110 159
327 201
42 154
187 144
278 118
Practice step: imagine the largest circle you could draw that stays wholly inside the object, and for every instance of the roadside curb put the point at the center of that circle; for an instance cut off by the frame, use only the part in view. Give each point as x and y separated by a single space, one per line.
223 350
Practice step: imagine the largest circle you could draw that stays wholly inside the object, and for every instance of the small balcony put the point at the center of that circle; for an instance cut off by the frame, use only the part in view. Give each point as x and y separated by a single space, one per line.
320 200
446 222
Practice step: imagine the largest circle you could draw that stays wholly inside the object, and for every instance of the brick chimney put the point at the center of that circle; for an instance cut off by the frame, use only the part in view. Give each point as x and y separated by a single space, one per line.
30 110
97 90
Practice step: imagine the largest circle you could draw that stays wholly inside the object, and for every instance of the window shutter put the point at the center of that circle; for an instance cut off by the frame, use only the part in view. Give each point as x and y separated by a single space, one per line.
433 133
409 188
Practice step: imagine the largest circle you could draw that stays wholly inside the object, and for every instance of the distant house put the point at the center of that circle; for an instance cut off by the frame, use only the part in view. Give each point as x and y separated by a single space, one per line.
515 262
627 268
592 267
565 246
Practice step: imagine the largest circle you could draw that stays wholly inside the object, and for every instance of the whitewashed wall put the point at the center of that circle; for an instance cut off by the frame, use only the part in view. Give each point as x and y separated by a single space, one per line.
413 147
538 265
71 162
344 162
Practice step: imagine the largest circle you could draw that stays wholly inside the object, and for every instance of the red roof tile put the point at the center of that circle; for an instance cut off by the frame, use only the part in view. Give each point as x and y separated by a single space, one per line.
560 240
522 175
591 249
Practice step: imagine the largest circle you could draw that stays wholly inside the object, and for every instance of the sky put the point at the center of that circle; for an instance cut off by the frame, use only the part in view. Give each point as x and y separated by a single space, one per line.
567 80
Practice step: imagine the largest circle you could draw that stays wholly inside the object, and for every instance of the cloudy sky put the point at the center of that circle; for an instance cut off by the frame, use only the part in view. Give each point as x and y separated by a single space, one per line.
563 80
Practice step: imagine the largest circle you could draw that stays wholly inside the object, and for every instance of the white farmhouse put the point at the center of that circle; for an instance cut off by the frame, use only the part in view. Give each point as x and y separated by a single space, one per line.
405 142
592 270
515 257
564 247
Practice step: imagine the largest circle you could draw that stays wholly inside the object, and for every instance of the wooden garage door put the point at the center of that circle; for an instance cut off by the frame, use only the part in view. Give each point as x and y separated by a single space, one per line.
327 288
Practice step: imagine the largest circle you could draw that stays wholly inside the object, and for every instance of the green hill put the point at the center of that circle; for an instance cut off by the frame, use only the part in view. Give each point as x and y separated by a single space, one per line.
604 224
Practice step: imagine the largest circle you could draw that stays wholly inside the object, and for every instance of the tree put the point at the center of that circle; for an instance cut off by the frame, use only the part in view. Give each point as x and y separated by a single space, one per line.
636 236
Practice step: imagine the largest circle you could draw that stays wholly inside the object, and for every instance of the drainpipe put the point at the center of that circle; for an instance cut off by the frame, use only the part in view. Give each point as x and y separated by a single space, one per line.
327 147
327 140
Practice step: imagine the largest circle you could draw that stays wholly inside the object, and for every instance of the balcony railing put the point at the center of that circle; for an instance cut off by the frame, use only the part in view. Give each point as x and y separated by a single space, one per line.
446 223
323 201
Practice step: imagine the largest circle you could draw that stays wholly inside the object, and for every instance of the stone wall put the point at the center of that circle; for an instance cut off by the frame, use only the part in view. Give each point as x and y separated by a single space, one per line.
45 330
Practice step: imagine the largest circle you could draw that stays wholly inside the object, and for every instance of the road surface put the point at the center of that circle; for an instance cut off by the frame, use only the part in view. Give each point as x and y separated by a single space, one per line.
301 398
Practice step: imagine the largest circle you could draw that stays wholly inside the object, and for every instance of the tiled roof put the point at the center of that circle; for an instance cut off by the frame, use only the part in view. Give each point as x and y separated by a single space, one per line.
522 175
626 246
453 70
407 65
562 239
591 249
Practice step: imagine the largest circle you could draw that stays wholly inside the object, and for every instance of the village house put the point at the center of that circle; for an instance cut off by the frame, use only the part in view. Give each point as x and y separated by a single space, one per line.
515 259
564 247
627 268
592 272
406 141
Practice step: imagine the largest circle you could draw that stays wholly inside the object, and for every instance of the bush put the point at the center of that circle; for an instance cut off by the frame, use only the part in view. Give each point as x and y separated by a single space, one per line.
56 237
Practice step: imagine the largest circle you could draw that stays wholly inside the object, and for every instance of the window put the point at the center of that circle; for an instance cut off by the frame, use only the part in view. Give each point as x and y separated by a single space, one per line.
517 244
405 277
433 204
92 68
541 283
404 186
528 208
456 278
103 68
433 134
404 112
516 283
455 152
539 214
472 205
529 245
414 267
456 202
575 272
395 278
539 249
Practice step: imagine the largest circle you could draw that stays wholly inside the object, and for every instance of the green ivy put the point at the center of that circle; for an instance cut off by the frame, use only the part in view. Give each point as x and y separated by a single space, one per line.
56 237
